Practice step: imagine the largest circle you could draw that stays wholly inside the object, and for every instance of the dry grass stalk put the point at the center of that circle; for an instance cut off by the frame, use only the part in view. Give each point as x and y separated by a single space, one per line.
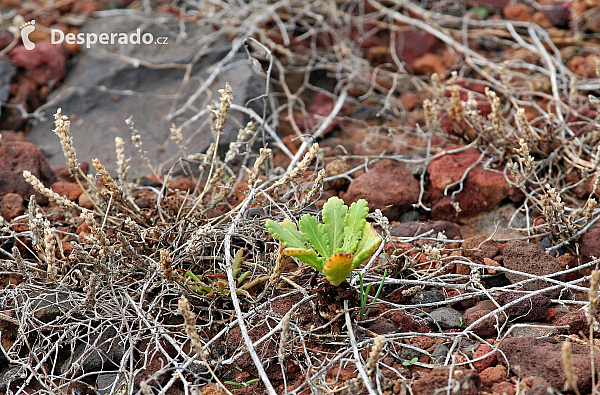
314 191
300 167
91 288
145 388
285 331
136 139
190 324
553 210
455 107
432 112
63 131
19 262
223 112
49 193
176 135
495 116
528 132
243 136
523 152
166 264
35 222
106 180
375 355
255 172
122 162
278 269
49 247
567 359
591 205
97 234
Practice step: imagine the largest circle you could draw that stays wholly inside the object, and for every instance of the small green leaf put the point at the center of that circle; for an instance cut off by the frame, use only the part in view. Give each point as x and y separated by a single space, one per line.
192 276
334 213
237 262
243 277
338 268
367 246
286 233
308 256
314 232
355 223
254 282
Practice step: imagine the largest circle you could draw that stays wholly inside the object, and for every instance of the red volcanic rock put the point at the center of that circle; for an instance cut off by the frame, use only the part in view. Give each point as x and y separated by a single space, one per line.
432 383
387 186
576 322
493 375
483 190
45 64
530 258
12 206
414 43
543 358
487 362
590 243
414 228
70 190
477 248
486 328
17 156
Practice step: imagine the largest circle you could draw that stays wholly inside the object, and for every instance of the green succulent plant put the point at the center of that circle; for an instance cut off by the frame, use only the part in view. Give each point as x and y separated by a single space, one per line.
243 282
335 247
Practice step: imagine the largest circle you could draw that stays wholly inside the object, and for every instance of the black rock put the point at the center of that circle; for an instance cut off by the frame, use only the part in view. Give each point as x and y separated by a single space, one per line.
11 376
106 86
409 353
7 70
427 297
103 350
439 354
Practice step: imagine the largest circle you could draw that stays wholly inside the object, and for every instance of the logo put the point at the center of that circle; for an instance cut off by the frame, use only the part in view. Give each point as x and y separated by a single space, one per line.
89 39
26 29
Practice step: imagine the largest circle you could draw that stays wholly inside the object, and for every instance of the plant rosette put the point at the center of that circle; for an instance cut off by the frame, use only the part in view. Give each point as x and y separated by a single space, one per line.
335 247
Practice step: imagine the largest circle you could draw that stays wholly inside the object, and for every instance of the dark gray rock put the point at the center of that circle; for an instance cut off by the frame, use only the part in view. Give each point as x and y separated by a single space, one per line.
109 83
106 381
409 216
409 353
52 305
7 71
426 297
439 354
446 318
11 376
104 349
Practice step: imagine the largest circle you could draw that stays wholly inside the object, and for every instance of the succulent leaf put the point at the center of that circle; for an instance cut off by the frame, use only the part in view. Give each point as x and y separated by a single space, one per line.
338 268
315 234
355 223
308 256
287 233
367 246
334 212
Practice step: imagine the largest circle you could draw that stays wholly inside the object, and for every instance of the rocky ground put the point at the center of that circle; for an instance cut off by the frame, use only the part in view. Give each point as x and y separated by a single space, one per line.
471 128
